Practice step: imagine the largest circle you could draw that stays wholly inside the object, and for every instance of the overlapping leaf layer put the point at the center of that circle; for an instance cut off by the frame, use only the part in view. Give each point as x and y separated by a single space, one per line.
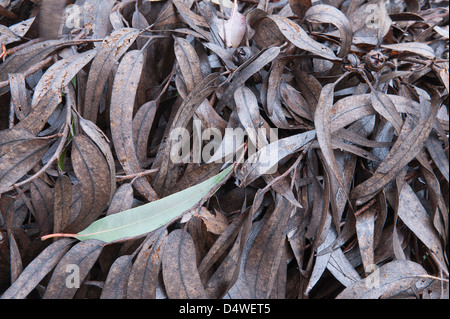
224 149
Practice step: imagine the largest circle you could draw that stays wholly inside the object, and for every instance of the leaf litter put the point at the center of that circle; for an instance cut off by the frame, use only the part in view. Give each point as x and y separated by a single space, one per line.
312 159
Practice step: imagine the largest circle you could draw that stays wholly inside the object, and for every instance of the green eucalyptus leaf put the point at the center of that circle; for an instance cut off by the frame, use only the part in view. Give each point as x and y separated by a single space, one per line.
143 219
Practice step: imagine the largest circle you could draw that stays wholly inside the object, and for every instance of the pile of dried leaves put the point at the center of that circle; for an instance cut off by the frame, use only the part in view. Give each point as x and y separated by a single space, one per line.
357 90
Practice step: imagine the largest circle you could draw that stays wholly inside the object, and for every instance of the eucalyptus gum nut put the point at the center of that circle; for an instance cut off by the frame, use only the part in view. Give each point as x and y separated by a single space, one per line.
375 60
241 55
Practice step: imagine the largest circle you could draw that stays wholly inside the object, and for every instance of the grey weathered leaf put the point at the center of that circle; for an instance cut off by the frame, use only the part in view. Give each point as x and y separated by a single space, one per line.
22 27
163 181
407 146
266 31
109 52
321 261
96 16
16 259
270 95
385 107
61 203
142 124
421 49
385 281
37 269
248 113
47 94
17 162
189 64
298 37
365 231
231 141
10 138
78 261
122 199
192 19
226 238
245 71
143 278
414 215
322 121
50 18
7 35
42 196
295 101
116 283
323 13
342 269
179 268
384 22
20 61
262 257
436 151
121 112
226 274
94 176
101 141
265 159
19 96
352 108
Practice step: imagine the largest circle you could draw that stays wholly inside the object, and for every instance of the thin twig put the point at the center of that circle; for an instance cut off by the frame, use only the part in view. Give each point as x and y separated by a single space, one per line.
365 207
31 70
3 50
433 277
135 175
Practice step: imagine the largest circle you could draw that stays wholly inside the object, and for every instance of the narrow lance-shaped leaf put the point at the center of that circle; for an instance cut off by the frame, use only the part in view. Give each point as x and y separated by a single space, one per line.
143 219
413 47
37 270
388 280
323 13
121 114
116 283
386 108
110 51
180 274
96 17
322 121
408 145
266 249
83 256
143 277
17 162
93 173
384 21
47 94
414 215
248 112
22 60
265 160
298 37
245 71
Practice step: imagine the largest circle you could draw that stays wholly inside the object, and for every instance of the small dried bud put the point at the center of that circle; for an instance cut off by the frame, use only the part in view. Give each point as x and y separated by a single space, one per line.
233 30
375 60
241 55
351 61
